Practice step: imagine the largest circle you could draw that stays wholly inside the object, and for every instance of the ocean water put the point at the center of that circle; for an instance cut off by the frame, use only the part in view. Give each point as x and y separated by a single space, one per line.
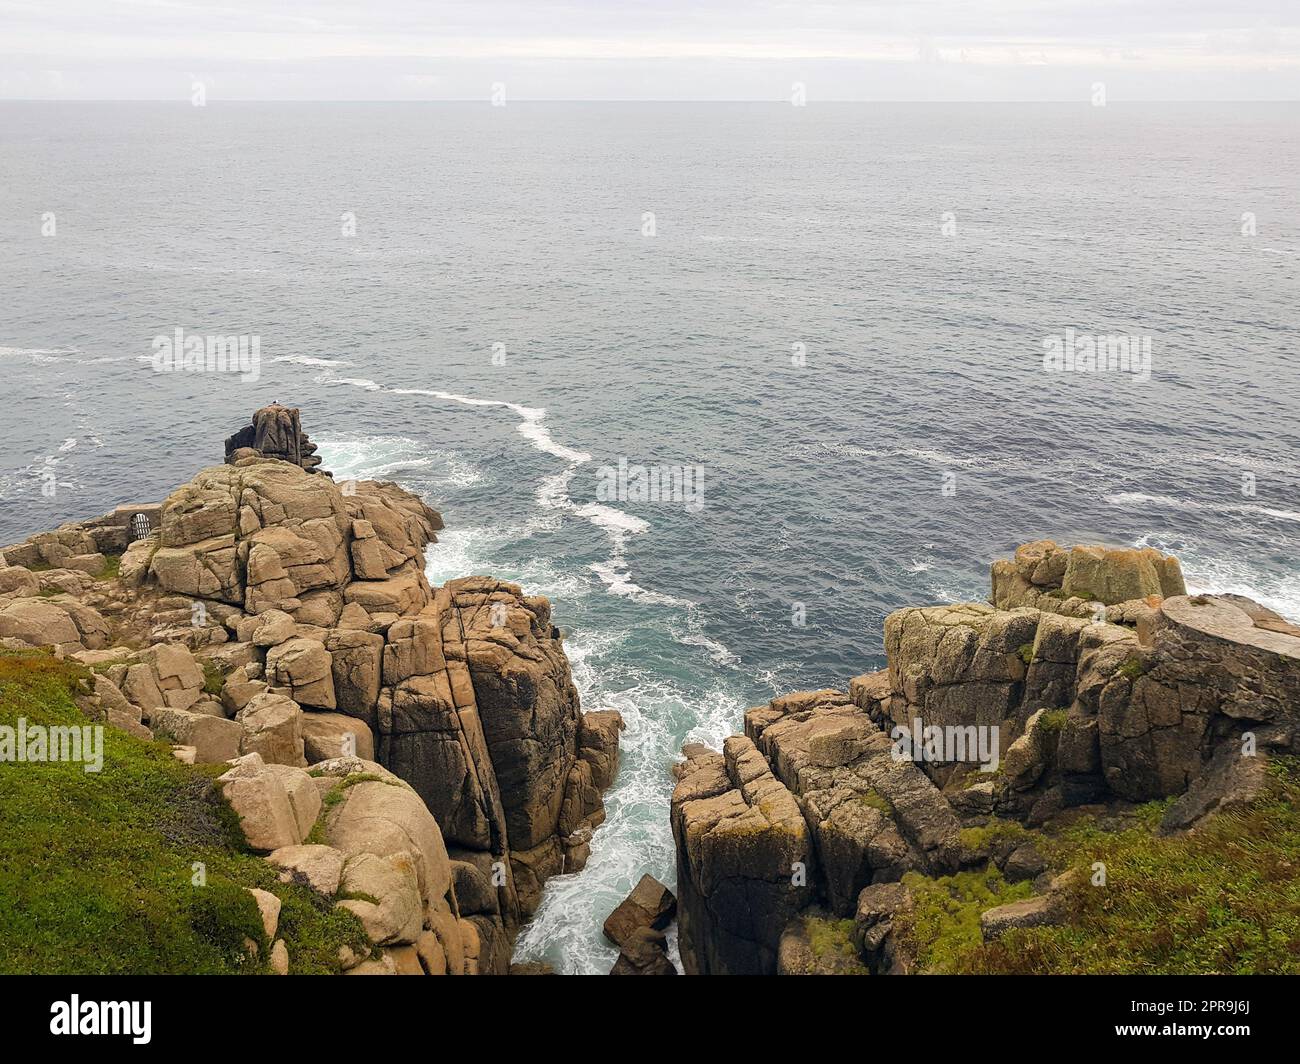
911 438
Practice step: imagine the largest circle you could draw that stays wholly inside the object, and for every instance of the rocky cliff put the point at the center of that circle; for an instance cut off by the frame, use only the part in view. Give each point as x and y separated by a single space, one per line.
416 757
1093 682
418 754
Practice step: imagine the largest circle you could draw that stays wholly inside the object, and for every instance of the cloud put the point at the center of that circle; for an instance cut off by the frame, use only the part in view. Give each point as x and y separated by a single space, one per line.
599 49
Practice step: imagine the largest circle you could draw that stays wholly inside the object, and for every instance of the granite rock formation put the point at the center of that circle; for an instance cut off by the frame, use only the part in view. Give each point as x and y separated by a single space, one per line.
1113 687
275 432
271 619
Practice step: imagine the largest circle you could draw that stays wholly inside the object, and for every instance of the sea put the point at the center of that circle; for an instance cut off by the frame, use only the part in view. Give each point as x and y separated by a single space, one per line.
847 344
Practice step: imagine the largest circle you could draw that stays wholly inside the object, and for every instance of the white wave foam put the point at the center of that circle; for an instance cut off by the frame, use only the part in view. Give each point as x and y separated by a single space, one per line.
1211 574
45 469
635 836
304 360
1137 498
382 457
356 382
39 355
530 421
553 493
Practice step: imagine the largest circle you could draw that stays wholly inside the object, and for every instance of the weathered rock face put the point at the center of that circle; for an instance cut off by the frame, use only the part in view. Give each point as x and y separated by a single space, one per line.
274 614
864 817
275 432
479 712
381 857
745 862
1136 698
1077 581
645 952
262 535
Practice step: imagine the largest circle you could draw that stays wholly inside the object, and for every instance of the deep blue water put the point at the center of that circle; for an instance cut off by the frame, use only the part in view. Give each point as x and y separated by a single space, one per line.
774 226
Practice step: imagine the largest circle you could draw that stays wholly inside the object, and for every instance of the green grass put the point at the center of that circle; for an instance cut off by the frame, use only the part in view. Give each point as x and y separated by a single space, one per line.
112 565
213 678
943 924
832 944
1053 721
1225 899
873 798
97 870
1026 653
980 839
1132 668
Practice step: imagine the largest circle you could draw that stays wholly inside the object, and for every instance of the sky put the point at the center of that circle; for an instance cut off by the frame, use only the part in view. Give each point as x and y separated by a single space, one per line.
647 50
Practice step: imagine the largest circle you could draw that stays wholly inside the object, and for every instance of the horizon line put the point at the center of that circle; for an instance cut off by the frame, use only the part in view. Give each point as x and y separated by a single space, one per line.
783 102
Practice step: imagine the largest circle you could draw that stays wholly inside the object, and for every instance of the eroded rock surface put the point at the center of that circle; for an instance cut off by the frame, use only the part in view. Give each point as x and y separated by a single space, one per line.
1092 678
269 617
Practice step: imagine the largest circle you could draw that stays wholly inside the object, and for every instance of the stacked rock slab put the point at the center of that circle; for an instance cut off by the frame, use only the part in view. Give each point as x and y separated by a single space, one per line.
810 806
465 692
275 432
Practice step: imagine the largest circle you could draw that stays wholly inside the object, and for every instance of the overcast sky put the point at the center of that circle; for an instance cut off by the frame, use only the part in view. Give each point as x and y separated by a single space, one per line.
650 49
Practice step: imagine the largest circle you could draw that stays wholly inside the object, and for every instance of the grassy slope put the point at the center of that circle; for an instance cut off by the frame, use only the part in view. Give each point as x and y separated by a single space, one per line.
96 869
1225 899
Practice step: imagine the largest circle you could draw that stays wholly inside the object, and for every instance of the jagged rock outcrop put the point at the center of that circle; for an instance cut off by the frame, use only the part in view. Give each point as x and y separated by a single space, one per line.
1146 693
644 953
270 614
275 432
1081 581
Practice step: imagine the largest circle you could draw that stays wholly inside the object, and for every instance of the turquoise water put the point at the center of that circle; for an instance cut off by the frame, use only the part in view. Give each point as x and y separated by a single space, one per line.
774 226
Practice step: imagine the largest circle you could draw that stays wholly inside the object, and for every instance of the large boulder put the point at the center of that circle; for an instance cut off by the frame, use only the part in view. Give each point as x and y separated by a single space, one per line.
383 891
273 727
356 661
1110 575
39 622
644 952
330 735
214 739
178 675
598 733
305 668
18 582
261 801
650 904
311 865
373 811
